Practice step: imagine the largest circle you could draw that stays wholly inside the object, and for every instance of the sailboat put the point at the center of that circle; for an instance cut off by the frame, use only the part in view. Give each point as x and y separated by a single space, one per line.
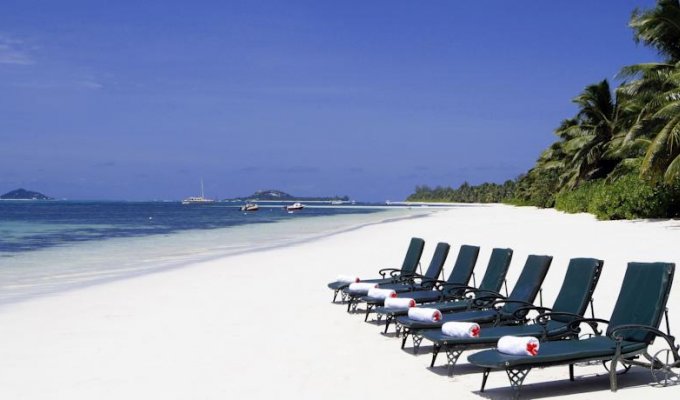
198 199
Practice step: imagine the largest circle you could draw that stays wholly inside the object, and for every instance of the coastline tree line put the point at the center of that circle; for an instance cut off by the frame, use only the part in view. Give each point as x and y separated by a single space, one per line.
619 156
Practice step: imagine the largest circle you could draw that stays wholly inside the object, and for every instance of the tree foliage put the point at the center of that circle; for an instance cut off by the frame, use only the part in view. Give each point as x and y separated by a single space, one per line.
619 155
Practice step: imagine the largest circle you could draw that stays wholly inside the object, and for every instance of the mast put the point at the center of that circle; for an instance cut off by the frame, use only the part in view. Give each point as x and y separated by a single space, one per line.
202 194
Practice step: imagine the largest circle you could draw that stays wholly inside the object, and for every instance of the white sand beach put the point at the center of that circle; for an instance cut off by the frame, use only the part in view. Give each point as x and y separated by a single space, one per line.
261 325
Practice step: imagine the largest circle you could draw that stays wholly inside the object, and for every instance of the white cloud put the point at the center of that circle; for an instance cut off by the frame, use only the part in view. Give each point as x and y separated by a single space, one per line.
12 52
89 84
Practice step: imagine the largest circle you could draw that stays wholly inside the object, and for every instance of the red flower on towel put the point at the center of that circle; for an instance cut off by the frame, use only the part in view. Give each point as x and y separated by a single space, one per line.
358 280
393 295
412 303
532 348
437 316
475 331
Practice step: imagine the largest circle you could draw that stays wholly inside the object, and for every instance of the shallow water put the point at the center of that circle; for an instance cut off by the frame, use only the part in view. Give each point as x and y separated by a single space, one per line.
48 247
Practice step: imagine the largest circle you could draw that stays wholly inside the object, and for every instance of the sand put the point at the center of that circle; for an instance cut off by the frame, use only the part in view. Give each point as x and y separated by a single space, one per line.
261 325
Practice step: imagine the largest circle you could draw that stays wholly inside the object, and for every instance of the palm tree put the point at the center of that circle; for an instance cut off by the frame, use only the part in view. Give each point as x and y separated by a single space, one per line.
656 91
659 27
587 137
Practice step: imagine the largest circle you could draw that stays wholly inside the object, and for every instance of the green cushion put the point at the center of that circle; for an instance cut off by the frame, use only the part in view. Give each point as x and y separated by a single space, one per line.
490 335
561 351
577 288
415 251
496 270
438 259
443 306
479 316
465 264
529 282
642 298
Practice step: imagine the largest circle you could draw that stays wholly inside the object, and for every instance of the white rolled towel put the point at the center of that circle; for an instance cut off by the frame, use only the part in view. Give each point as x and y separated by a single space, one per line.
347 279
425 314
518 346
362 287
399 303
378 293
461 329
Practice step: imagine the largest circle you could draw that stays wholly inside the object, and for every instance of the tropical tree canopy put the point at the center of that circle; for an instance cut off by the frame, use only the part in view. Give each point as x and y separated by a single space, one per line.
630 133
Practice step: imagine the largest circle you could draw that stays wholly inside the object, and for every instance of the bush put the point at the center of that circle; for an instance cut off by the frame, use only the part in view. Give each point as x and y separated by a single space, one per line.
577 200
628 197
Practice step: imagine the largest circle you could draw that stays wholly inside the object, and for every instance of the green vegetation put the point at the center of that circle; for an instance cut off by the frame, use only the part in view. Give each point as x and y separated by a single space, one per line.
484 193
628 197
619 156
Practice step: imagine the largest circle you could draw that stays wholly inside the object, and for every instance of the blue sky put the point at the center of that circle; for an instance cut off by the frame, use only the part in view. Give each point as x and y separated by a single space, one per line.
139 100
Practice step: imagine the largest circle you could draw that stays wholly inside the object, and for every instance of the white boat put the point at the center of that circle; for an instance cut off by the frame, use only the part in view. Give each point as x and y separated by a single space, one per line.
250 207
295 207
336 202
198 199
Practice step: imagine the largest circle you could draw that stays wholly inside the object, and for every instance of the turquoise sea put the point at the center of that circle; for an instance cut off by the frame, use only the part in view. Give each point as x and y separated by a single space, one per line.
51 246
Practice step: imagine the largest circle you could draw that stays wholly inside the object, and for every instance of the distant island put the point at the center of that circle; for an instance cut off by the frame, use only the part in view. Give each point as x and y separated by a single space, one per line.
23 194
277 195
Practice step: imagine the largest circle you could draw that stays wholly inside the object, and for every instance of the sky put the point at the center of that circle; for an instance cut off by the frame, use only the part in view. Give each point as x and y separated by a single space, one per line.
140 100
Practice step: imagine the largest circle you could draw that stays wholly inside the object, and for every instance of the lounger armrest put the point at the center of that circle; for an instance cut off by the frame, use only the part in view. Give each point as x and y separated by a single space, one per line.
434 283
426 282
473 293
544 317
423 277
392 271
574 325
498 304
614 334
448 290
521 312
484 301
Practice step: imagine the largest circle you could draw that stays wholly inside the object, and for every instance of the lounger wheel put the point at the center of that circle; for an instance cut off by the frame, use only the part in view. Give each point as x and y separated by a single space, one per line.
665 369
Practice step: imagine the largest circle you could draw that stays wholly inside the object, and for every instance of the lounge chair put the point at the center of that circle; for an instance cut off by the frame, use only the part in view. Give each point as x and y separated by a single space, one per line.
429 278
494 312
432 290
632 328
493 280
551 324
408 269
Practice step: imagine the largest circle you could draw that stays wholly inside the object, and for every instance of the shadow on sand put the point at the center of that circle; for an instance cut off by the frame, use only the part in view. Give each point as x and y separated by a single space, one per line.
591 383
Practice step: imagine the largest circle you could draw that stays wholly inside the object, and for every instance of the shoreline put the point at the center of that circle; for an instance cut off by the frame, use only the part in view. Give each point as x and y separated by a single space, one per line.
178 261
260 325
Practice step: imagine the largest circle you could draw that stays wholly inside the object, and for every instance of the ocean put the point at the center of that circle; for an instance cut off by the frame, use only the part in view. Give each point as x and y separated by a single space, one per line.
50 246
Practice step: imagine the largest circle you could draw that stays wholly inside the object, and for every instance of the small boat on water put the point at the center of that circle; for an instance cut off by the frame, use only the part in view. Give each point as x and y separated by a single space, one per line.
198 199
250 207
295 207
336 202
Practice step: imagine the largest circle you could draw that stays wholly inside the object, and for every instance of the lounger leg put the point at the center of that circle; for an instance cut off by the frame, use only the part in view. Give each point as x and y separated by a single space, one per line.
485 376
403 340
388 321
335 295
452 358
349 304
417 339
343 297
435 352
517 377
613 381
397 328
369 307
571 372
